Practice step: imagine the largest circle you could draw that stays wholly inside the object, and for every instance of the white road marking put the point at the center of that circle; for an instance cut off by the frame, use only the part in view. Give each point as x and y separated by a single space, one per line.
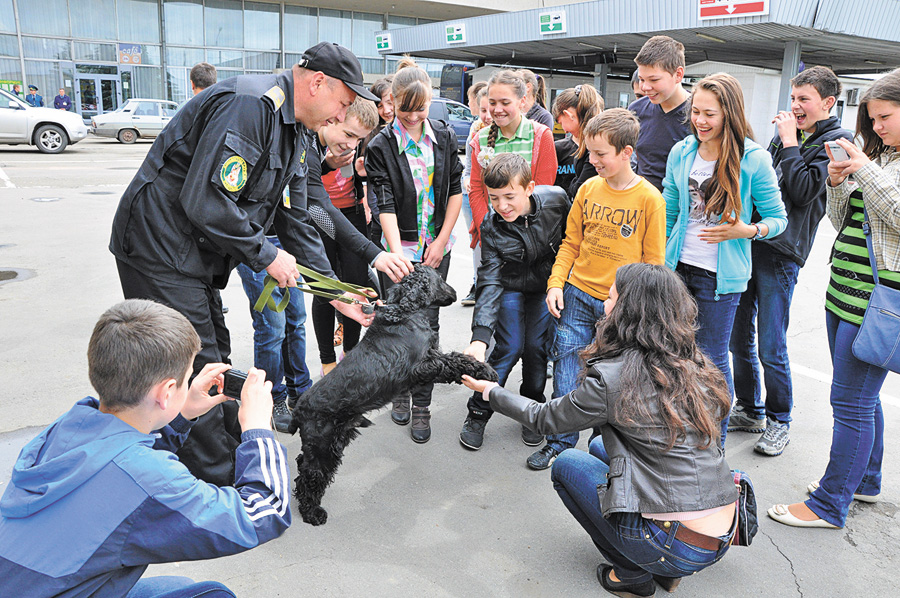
6 181
826 379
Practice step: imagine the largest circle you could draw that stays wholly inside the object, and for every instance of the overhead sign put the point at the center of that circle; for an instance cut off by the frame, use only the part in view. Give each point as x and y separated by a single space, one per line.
129 53
383 41
553 22
456 34
725 9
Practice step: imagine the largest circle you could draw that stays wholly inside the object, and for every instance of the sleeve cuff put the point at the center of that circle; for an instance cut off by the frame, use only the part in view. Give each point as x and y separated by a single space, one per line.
180 425
487 391
256 433
483 334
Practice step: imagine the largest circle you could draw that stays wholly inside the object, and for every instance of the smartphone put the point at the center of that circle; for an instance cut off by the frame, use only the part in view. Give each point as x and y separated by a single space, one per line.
234 383
839 153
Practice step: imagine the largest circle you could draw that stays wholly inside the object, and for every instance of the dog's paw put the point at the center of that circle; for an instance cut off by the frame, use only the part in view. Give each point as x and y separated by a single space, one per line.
482 371
317 516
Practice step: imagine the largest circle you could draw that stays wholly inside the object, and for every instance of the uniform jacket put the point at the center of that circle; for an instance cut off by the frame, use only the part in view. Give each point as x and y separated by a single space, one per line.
213 182
759 191
62 102
35 100
390 178
643 477
92 502
517 256
801 175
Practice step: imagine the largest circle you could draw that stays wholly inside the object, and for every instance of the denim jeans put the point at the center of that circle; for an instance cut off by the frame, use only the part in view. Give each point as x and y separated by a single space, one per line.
857 439
523 331
575 330
762 317
715 319
279 339
170 586
635 547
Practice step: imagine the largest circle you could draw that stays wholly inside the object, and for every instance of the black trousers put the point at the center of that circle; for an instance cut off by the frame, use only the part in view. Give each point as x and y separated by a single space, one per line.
208 451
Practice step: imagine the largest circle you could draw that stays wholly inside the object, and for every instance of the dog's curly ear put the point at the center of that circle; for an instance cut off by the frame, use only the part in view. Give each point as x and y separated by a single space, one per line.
409 296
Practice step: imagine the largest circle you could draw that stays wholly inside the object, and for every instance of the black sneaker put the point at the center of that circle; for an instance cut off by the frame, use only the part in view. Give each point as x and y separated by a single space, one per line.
543 458
281 415
472 434
530 437
469 299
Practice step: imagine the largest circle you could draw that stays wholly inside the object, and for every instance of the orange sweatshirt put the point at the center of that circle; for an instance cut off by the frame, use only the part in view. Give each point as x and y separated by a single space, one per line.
607 229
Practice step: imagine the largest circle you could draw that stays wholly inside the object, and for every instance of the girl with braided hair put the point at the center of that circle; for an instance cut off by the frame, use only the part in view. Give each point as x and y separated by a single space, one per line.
511 132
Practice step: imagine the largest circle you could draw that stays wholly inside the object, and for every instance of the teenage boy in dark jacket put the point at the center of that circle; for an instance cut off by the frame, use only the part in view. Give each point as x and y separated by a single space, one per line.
798 154
519 241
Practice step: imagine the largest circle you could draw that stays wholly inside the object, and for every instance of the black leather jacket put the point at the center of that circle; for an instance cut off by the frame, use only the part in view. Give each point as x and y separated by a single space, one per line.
643 477
518 256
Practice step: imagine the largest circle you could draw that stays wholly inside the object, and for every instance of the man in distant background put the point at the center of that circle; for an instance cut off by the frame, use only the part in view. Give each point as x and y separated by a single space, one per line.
62 101
33 98
203 75
17 89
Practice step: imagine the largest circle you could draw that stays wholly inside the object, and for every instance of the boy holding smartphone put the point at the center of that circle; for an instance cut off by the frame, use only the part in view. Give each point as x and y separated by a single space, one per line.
801 162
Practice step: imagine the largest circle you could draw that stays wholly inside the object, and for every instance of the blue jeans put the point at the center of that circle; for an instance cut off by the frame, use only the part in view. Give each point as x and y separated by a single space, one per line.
636 548
170 586
765 307
279 339
715 319
857 439
523 331
575 330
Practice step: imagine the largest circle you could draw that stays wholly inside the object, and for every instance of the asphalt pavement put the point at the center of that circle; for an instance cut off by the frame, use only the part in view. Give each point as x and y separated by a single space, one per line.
405 519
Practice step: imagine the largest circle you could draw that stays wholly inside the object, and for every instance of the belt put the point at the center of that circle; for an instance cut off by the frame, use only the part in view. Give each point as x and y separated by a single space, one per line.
689 536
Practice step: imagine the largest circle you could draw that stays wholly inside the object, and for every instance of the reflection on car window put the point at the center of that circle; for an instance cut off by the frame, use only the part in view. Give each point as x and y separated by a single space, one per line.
459 113
168 110
146 109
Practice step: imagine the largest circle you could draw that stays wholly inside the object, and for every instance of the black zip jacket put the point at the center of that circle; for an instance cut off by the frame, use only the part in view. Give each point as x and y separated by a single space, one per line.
390 178
801 175
572 172
518 256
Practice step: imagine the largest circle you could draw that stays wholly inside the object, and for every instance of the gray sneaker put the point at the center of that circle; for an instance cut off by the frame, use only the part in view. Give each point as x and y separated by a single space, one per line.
472 434
281 415
775 438
741 421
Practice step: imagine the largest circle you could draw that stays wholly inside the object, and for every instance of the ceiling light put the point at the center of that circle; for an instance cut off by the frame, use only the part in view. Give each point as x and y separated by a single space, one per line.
711 38
589 46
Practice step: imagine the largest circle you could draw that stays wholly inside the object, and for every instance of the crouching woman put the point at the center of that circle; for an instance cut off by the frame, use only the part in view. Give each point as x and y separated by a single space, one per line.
659 502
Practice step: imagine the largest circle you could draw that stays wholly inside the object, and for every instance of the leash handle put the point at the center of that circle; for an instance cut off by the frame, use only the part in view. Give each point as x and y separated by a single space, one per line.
314 287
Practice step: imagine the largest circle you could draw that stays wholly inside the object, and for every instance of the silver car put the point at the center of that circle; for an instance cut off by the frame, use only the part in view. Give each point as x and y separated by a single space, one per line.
138 118
48 129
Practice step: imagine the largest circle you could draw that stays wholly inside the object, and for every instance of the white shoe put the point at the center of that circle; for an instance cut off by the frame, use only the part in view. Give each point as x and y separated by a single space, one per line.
813 486
782 514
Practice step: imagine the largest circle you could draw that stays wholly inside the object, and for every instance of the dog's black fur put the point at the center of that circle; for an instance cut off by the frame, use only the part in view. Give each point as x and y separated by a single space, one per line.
398 351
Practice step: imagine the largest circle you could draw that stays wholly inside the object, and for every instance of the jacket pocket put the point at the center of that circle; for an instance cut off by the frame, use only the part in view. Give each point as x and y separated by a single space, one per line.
236 162
264 185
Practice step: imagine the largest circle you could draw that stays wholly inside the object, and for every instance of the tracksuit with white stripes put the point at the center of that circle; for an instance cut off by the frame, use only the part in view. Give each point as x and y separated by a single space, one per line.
93 501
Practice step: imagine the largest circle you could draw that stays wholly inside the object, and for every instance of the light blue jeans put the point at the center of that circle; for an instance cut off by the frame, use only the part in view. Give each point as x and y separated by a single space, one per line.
170 586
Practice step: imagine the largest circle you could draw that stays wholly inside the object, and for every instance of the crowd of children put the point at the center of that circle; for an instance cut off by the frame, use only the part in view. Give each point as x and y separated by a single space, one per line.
675 180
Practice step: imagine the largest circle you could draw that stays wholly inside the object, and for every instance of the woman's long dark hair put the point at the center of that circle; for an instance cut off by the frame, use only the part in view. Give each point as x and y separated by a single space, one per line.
651 327
888 89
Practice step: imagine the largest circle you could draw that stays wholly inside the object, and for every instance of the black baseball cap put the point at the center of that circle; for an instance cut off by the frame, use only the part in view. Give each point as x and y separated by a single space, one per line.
337 61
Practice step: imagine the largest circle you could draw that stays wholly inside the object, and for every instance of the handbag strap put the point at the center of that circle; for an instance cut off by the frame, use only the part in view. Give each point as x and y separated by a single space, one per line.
867 231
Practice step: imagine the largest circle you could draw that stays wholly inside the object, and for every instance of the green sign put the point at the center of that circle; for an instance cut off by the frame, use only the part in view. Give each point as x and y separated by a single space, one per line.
456 34
383 41
553 22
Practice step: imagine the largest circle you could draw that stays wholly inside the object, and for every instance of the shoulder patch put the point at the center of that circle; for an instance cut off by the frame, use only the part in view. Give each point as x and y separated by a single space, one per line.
234 173
276 94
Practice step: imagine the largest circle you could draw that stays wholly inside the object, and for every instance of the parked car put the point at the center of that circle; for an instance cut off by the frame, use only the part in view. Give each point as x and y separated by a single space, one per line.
138 118
48 129
457 115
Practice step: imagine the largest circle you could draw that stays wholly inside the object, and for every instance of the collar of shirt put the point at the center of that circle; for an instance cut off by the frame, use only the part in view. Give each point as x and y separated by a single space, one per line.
404 139
285 80
520 131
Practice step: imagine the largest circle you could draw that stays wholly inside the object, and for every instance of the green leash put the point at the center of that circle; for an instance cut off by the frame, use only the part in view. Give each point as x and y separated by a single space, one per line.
320 285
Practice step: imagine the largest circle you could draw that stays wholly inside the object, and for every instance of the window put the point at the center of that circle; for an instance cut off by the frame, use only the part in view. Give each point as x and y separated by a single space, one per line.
48 17
7 16
458 112
94 20
9 45
335 26
261 26
262 61
36 47
400 22
147 109
96 52
168 109
299 29
148 82
224 23
150 54
179 84
138 20
184 22
365 25
45 75
225 58
10 70
183 56
374 66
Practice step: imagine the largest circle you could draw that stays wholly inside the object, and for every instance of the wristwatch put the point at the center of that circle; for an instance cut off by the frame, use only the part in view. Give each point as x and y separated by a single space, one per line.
758 234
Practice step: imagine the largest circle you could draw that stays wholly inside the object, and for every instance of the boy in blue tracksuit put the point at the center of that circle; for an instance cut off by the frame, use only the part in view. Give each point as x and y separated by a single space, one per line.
99 495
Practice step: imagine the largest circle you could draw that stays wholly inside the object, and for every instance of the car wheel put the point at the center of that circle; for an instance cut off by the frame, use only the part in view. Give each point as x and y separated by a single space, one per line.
127 136
51 139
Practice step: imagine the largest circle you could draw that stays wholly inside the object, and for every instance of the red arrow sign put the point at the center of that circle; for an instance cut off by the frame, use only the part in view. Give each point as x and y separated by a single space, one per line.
732 9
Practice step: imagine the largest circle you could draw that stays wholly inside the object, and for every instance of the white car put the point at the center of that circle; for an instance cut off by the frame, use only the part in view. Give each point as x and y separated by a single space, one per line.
49 129
138 118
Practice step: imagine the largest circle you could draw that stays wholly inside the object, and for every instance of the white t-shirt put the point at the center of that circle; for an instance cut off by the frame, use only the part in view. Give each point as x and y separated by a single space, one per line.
696 252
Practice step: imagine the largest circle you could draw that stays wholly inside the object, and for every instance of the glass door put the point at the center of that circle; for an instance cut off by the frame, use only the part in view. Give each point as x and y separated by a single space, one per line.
96 95
87 102
109 100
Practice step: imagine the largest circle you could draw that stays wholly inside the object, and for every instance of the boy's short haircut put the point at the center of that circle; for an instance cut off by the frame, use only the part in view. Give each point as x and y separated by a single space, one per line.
135 345
620 126
663 52
365 112
505 169
822 79
203 75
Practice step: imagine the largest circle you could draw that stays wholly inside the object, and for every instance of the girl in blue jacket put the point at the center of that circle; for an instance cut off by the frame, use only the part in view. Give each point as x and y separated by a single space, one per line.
715 180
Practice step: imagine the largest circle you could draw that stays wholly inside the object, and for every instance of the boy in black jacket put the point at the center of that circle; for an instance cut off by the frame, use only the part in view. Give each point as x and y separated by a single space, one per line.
519 241
798 154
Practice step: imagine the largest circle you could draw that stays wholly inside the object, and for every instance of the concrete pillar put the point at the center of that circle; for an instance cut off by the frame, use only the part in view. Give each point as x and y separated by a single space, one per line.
790 66
601 71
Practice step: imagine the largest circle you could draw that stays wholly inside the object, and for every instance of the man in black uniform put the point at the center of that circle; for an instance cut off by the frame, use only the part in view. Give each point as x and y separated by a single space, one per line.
212 184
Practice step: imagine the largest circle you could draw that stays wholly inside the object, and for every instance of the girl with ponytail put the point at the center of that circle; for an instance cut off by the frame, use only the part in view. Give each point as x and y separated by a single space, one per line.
572 109
512 132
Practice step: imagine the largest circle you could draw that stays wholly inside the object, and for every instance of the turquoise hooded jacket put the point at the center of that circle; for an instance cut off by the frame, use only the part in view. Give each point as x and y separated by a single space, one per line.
759 191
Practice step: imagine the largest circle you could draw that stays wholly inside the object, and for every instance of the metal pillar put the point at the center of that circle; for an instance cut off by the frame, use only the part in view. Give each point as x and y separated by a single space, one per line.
601 71
790 66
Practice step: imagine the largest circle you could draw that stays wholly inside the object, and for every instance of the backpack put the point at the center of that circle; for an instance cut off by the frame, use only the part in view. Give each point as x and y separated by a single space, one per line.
747 521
